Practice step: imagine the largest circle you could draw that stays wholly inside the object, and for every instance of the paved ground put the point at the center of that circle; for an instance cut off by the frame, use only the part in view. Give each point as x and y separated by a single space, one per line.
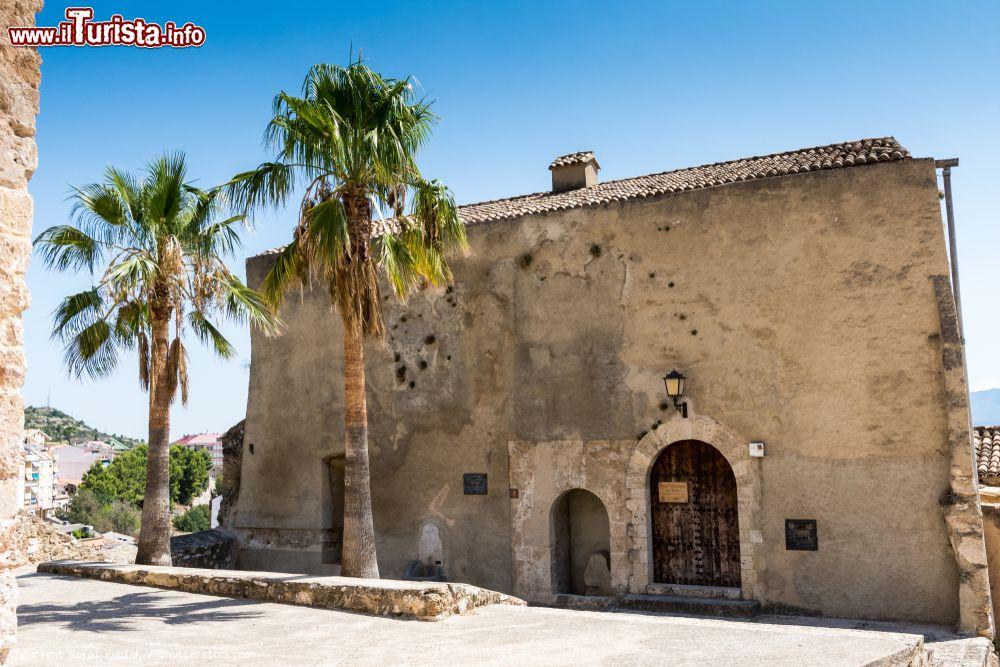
70 621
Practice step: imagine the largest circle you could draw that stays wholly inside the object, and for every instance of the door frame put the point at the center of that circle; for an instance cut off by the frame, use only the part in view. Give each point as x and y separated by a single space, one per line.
735 449
724 480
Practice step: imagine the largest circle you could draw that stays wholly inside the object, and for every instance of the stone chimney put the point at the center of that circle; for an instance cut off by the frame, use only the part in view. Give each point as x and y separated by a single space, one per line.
574 171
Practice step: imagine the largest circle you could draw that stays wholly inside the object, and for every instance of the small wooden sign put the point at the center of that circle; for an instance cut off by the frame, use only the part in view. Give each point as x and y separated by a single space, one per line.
673 492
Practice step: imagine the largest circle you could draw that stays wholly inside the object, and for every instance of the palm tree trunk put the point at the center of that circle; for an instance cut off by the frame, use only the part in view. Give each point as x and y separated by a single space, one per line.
359 557
154 533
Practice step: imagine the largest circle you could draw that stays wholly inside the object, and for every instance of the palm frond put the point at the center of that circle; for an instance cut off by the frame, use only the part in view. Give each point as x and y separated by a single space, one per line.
131 320
100 212
247 306
92 351
327 237
143 350
128 189
164 194
176 370
435 211
289 270
65 247
270 184
76 312
395 257
209 334
135 269
218 239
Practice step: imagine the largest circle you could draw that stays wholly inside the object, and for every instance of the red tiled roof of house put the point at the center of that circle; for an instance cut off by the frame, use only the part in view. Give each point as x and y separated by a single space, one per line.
986 440
198 439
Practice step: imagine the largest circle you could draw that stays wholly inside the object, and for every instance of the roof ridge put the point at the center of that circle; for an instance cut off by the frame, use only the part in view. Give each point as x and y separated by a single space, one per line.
836 155
723 163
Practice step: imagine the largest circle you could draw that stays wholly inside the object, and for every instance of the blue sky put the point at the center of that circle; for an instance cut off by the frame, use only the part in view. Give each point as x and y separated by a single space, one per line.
647 86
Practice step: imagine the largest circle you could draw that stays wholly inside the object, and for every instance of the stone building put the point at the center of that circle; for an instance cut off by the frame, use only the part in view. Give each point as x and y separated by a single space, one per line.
522 437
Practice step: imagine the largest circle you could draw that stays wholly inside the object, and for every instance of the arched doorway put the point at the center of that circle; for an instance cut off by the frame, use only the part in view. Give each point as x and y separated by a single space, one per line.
581 544
694 522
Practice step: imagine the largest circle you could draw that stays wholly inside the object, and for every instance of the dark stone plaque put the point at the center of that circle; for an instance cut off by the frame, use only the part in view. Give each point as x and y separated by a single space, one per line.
474 483
800 535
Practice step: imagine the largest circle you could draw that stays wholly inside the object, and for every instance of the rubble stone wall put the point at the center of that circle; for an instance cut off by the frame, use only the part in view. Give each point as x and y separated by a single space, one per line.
20 75
208 549
232 462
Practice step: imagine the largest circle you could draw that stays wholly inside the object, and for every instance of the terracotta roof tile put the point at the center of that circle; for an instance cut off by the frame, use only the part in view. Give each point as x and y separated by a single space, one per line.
573 158
834 156
986 440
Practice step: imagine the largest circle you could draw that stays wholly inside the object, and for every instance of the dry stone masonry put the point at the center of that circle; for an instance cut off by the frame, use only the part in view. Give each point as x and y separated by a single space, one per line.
20 76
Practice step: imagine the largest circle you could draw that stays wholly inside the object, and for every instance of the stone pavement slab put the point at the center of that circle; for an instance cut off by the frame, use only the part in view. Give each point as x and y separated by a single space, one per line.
73 621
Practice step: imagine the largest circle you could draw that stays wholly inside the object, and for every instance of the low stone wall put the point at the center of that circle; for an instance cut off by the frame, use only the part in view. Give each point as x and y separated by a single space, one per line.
210 549
383 597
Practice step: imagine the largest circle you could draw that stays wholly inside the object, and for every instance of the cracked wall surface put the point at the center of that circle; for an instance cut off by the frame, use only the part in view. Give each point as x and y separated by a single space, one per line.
799 307
19 80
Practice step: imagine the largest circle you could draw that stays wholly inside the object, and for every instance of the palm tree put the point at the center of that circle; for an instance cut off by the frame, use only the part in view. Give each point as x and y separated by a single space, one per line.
160 249
351 141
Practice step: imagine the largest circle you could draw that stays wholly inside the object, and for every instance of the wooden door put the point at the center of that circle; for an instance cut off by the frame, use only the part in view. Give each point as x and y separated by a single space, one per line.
696 538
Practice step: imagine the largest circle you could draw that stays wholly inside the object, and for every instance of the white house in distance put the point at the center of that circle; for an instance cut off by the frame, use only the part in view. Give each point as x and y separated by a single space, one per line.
72 462
36 437
209 442
39 481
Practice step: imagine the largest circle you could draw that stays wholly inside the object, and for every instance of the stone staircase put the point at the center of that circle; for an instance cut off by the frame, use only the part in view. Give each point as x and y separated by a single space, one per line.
694 600
668 599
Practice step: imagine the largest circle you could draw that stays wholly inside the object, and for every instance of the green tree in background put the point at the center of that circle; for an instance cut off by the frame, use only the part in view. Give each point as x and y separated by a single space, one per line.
195 519
86 507
192 467
124 478
82 508
120 517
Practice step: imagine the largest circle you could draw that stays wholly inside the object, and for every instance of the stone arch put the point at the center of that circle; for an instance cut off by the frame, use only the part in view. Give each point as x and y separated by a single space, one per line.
580 532
736 451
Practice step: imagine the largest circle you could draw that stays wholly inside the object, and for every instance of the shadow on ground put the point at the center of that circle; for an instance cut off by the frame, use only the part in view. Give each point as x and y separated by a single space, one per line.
118 613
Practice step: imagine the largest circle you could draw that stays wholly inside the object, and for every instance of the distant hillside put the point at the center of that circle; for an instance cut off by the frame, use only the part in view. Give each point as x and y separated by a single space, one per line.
60 426
986 407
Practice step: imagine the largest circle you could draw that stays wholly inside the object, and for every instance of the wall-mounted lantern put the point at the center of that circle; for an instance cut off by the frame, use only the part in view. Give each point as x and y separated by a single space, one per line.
674 383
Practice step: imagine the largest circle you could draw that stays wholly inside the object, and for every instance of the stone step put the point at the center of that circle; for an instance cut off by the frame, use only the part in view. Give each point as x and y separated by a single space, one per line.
687 591
676 604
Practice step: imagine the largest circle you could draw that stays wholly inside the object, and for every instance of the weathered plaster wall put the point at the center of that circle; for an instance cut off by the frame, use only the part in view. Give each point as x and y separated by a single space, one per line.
800 307
19 80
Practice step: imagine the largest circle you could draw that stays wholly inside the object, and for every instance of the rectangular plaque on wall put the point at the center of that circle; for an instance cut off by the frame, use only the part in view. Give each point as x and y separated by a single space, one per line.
800 535
474 483
673 492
